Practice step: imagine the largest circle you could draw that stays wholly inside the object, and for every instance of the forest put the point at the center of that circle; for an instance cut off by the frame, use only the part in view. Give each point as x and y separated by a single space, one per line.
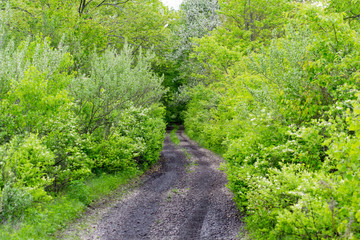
88 87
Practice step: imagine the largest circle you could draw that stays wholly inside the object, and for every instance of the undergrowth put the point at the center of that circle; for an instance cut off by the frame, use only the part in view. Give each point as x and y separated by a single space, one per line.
45 219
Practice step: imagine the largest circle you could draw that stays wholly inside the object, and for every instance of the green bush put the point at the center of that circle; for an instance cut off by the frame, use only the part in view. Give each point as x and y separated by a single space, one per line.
27 162
135 141
114 82
146 126
17 59
200 117
285 117
293 203
71 106
114 154
14 202
71 158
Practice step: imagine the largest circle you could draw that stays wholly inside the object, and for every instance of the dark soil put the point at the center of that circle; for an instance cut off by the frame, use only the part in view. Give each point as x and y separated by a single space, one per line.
185 198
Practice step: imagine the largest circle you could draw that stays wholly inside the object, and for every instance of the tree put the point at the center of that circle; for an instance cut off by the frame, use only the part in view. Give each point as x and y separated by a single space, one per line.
196 19
245 27
93 24
115 81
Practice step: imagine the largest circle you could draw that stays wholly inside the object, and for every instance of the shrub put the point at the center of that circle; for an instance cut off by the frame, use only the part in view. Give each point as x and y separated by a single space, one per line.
27 163
15 60
70 148
199 115
114 154
146 126
114 81
135 140
14 202
287 120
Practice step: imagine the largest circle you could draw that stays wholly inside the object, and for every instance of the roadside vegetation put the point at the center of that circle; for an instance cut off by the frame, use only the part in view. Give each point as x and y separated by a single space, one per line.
87 88
47 218
277 93
80 107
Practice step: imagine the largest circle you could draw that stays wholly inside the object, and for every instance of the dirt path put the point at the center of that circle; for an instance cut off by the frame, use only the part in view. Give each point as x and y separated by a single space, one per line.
185 199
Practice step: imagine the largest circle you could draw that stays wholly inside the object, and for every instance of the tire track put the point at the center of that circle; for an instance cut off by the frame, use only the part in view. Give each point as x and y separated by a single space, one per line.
185 199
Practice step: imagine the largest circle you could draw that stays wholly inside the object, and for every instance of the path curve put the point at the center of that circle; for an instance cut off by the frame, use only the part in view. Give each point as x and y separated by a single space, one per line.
185 199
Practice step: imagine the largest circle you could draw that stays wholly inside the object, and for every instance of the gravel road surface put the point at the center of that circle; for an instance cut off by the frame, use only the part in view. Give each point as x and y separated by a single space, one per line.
185 198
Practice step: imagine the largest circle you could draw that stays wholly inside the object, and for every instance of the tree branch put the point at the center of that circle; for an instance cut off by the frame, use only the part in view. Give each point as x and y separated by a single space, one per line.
352 17
24 10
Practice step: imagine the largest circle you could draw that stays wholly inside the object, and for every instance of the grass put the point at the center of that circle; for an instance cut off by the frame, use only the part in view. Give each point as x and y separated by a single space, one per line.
168 198
174 191
173 137
45 219
187 155
190 166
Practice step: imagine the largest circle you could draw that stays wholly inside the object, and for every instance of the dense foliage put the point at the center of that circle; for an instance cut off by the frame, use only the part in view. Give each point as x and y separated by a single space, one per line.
279 99
78 98
272 85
